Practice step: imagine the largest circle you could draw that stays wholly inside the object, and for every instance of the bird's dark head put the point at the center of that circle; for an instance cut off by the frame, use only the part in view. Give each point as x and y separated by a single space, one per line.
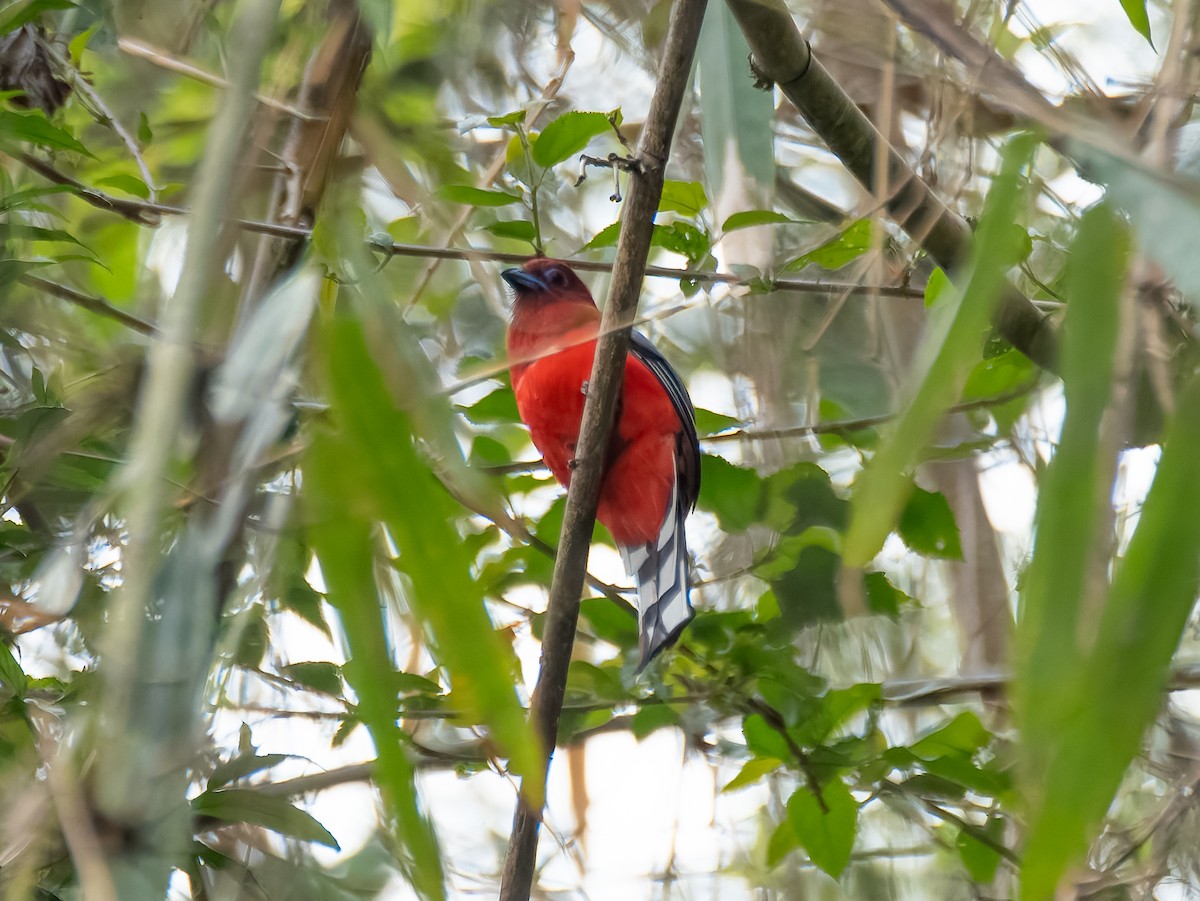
542 281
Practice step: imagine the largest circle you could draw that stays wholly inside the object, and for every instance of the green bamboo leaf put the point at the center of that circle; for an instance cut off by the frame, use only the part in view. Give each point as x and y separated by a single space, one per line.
25 198
396 484
342 537
33 127
243 805
18 14
1135 11
567 135
1048 668
736 119
1147 609
15 231
244 765
885 483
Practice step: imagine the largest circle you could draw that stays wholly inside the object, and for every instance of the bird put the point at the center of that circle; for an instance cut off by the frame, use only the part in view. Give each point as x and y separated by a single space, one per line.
652 462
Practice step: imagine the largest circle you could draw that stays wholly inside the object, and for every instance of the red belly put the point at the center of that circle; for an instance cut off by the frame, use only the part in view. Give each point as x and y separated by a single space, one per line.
641 458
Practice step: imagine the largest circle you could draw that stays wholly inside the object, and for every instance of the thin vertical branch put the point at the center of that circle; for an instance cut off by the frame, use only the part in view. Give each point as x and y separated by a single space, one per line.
637 223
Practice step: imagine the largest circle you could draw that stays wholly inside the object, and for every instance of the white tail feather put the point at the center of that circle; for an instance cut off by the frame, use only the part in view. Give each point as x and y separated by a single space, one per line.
660 571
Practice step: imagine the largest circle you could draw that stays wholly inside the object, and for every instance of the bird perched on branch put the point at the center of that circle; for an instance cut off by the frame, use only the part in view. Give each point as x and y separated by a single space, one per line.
652 464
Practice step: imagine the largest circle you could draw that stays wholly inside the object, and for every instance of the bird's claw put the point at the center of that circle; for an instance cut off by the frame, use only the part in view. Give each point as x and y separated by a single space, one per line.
583 387
573 464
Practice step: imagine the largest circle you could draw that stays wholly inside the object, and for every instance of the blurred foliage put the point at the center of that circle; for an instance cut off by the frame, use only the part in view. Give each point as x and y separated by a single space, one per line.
356 532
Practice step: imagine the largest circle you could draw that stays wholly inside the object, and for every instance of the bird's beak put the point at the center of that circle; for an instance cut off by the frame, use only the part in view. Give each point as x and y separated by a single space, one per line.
520 280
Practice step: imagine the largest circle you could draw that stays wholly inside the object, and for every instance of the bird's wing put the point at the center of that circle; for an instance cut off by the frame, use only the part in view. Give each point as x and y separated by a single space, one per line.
687 450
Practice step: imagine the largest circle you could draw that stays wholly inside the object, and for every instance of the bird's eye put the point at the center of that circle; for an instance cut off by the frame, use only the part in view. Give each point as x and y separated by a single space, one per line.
556 277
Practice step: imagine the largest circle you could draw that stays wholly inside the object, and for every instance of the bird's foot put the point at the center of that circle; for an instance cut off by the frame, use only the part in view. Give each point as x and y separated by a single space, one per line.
583 387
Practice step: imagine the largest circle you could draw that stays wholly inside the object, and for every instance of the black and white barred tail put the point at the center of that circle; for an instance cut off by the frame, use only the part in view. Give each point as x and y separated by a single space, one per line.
660 571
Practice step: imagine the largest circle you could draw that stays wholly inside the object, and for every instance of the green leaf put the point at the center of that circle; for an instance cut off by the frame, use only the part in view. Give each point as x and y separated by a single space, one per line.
853 242
734 494
981 860
752 771
12 678
750 218
15 231
652 717
882 596
736 119
243 805
320 675
301 599
1135 10
487 451
833 709
516 117
883 487
36 129
471 196
606 237
127 183
964 734
244 765
1163 208
567 135
1149 602
763 740
682 238
997 375
607 621
782 842
144 134
826 834
431 554
686 197
23 199
499 406
18 14
343 541
710 423
1048 669
927 525
413 684
518 229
